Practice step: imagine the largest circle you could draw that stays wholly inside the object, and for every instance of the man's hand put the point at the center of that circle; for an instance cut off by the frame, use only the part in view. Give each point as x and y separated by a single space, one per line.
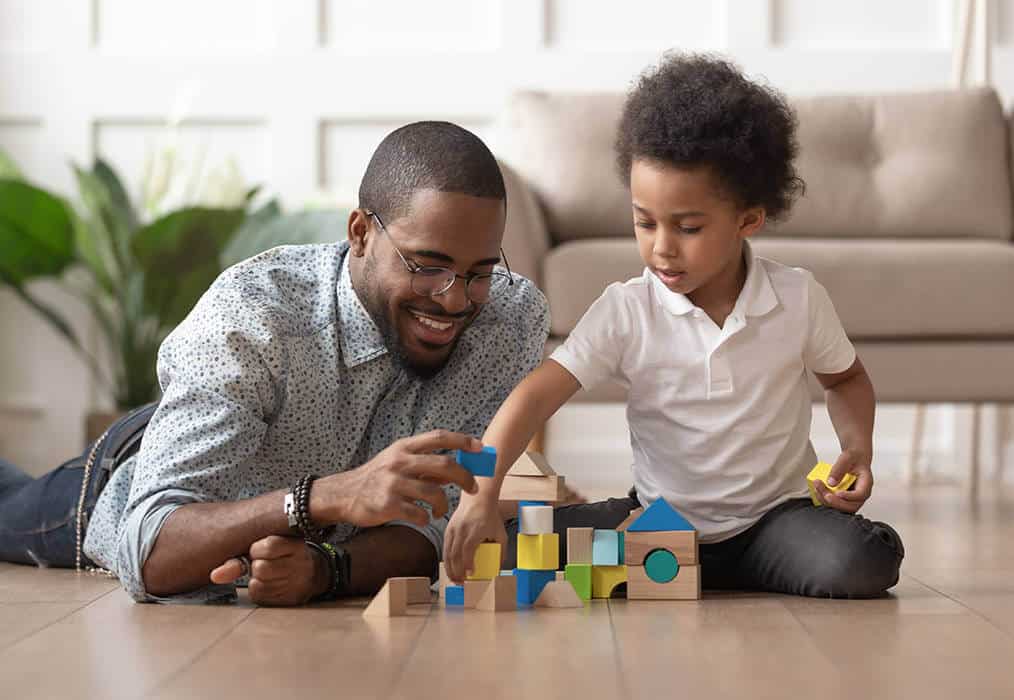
475 521
284 571
387 487
852 461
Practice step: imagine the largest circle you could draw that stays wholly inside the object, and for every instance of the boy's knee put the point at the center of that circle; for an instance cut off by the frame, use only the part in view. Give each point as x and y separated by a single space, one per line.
866 568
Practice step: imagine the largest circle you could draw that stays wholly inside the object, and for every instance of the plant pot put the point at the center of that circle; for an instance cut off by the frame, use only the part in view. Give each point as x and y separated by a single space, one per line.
96 423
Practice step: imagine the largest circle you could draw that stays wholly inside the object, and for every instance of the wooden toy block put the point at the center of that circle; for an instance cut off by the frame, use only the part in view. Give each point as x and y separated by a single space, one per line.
443 582
820 473
686 585
661 566
531 583
606 548
606 578
539 552
390 601
559 594
561 575
536 520
580 576
533 488
486 563
479 463
634 515
659 517
522 504
454 596
682 543
501 594
474 590
419 590
531 464
579 545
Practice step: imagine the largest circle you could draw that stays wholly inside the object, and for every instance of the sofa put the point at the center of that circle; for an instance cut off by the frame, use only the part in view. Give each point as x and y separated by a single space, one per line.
907 220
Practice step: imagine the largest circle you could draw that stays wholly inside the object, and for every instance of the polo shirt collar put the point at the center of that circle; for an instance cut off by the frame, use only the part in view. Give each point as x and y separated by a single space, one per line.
755 299
361 340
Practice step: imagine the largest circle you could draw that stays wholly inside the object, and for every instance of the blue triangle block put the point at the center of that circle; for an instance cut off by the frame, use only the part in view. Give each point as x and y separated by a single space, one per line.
660 517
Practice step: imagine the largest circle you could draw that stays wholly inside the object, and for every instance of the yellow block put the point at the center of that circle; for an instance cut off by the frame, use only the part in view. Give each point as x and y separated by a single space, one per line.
539 552
486 564
820 473
606 578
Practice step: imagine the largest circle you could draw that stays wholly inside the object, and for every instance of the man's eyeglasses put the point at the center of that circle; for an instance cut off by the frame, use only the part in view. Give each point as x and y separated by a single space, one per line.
432 281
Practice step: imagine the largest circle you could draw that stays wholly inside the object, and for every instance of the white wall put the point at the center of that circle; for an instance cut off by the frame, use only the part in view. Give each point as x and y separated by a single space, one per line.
300 92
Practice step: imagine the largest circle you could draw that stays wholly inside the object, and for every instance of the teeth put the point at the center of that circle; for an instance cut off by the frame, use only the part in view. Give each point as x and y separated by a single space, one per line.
436 325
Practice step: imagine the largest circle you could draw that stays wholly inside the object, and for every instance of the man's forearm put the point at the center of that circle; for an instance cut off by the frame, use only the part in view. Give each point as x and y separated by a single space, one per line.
382 552
851 404
198 537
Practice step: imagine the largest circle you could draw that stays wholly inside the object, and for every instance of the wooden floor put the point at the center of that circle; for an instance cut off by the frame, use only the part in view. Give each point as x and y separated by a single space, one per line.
947 632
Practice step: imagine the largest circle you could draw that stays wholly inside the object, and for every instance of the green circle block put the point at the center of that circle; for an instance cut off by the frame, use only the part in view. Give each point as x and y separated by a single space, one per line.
661 565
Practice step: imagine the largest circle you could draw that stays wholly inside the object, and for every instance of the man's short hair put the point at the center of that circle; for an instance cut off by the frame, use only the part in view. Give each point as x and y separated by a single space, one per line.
428 155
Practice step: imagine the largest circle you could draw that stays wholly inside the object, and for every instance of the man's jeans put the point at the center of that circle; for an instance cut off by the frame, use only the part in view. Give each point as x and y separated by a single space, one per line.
795 548
38 517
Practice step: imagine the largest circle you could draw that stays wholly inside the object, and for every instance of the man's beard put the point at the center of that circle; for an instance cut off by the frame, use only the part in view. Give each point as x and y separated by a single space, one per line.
388 329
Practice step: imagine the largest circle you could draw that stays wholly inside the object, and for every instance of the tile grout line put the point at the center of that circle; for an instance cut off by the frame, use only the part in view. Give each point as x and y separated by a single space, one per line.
964 605
84 605
624 686
408 657
198 654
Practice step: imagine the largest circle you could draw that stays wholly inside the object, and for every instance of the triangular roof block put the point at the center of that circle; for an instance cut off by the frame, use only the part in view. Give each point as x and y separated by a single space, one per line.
660 517
531 464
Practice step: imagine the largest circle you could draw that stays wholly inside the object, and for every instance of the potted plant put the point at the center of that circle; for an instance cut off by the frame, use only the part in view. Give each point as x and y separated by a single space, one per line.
138 278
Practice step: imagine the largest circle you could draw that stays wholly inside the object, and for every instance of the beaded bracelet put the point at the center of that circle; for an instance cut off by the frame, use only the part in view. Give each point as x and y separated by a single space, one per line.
302 505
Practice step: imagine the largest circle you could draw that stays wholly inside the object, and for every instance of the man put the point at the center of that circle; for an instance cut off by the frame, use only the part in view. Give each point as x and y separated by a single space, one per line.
364 362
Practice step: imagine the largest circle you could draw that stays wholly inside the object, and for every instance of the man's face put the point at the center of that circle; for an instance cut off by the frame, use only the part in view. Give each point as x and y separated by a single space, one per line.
442 229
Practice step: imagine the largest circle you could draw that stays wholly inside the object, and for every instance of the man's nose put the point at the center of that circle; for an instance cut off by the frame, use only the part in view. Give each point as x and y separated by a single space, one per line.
455 299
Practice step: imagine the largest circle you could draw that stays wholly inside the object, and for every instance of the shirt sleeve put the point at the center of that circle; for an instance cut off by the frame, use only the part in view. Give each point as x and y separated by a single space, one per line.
218 394
593 350
828 349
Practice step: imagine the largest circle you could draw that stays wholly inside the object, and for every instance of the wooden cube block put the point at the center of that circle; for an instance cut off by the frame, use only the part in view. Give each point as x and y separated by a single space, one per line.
454 596
606 578
391 600
486 564
821 472
580 576
579 545
501 594
606 548
539 552
686 585
475 590
682 543
536 520
533 488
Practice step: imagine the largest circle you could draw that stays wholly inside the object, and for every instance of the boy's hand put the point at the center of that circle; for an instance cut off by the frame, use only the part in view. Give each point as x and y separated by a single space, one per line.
475 521
852 461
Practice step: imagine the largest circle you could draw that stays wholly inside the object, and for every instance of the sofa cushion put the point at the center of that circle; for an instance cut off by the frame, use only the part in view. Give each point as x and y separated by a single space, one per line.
881 288
929 164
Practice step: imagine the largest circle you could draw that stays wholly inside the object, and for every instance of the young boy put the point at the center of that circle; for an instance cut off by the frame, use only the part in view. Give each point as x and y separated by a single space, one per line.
713 344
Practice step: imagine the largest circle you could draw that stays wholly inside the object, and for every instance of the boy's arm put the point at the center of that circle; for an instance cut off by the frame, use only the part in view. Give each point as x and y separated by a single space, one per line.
851 404
528 407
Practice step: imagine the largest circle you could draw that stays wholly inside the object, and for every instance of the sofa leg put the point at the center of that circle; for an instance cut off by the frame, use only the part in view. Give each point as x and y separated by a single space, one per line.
915 449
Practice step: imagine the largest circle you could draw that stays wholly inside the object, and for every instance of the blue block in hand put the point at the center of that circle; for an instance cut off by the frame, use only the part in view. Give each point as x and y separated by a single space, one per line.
479 463
454 595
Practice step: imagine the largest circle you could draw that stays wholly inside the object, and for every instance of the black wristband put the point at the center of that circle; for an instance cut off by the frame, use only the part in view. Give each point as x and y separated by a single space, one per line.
301 494
339 569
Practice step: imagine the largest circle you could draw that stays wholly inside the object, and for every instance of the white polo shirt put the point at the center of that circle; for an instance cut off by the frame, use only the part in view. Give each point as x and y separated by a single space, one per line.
719 417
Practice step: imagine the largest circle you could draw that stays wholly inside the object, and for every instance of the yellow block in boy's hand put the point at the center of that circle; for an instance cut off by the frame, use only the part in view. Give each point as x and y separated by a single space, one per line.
486 565
820 473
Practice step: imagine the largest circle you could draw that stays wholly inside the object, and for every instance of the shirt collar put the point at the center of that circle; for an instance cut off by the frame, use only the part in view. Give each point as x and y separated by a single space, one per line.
361 340
755 299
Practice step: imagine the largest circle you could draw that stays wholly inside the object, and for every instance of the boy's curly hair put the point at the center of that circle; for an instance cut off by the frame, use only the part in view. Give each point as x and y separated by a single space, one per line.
698 109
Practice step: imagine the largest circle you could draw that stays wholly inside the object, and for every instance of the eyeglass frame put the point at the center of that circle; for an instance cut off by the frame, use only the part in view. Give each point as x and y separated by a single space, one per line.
413 267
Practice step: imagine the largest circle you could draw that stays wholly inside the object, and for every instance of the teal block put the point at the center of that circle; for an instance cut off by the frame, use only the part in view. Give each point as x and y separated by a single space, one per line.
661 566
606 548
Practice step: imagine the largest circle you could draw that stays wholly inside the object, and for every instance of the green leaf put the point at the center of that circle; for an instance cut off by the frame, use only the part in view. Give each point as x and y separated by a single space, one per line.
179 256
119 200
36 233
267 228
107 237
9 170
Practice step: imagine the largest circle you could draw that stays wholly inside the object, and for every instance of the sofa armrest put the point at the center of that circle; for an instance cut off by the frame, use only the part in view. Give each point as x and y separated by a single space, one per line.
526 237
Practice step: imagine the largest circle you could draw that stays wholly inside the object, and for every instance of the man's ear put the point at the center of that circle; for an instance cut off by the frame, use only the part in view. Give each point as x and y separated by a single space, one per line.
751 221
359 228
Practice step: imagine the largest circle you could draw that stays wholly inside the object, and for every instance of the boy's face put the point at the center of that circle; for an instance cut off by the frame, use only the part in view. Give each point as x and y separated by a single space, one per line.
689 233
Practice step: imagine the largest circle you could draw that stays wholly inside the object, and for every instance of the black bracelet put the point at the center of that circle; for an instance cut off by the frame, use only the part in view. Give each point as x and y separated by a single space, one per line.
339 569
302 504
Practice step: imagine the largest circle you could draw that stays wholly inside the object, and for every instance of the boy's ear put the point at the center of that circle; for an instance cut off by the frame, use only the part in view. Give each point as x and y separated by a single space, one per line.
358 230
751 221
